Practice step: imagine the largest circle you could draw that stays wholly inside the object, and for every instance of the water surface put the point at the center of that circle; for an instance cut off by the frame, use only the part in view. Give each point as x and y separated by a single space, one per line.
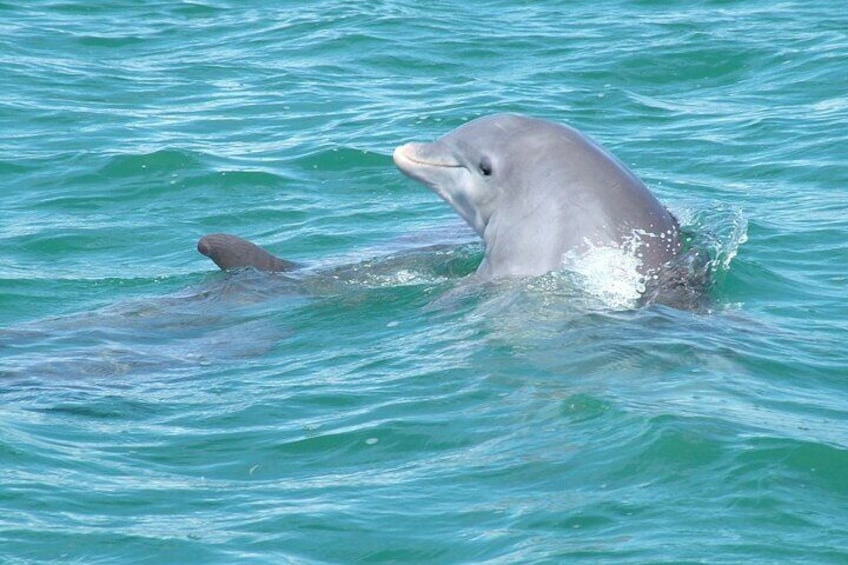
156 410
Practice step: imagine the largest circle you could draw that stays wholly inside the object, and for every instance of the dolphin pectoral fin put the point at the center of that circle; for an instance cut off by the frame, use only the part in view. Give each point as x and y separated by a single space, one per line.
231 252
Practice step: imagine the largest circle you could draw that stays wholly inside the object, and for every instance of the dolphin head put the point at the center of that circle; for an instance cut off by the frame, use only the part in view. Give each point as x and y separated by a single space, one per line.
467 167
534 189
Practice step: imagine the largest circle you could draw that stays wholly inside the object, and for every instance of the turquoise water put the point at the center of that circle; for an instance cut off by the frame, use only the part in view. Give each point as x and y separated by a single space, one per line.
155 410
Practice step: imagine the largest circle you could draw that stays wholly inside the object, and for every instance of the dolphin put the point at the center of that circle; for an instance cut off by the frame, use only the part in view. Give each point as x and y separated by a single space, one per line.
535 190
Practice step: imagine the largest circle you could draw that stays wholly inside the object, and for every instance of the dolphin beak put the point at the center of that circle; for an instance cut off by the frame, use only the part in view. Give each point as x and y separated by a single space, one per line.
434 165
402 161
412 156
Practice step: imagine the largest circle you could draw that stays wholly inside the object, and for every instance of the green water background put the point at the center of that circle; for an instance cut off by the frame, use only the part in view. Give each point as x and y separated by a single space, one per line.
154 410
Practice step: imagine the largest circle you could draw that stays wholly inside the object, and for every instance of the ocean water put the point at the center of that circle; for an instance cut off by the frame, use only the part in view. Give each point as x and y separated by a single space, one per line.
156 410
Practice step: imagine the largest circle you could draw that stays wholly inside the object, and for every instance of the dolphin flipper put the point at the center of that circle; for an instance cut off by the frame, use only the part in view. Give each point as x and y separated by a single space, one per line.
231 252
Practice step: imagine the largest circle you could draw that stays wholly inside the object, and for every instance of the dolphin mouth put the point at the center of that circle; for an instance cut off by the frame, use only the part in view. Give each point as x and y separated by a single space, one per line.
412 155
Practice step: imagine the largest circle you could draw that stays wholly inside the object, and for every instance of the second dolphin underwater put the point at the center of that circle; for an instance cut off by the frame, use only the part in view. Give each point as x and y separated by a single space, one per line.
535 191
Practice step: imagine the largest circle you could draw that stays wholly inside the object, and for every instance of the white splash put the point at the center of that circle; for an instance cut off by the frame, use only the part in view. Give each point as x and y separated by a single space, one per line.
608 274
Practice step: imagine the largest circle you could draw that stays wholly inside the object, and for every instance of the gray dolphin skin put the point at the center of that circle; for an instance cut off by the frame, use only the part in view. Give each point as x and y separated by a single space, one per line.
535 190
232 252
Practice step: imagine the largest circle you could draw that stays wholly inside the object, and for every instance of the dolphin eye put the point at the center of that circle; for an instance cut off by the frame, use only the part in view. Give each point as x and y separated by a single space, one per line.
485 167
